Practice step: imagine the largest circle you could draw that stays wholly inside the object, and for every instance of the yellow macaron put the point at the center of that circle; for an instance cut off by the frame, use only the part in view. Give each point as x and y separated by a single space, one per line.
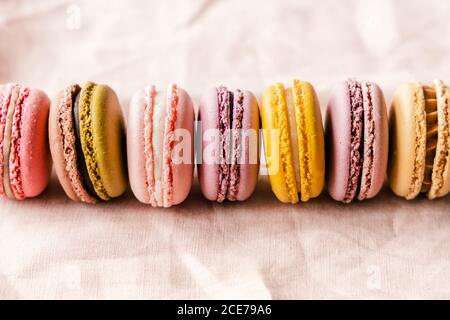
294 141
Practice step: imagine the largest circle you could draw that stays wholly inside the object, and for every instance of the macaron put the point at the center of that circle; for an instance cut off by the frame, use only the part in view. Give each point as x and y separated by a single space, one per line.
229 123
87 142
160 143
294 141
25 162
357 141
420 141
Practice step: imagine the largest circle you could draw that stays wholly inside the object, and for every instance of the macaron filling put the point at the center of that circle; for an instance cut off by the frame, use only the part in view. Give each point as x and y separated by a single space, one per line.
441 161
230 124
237 111
6 148
225 106
420 143
303 152
158 128
15 176
159 134
369 141
357 110
74 121
81 182
75 167
169 141
293 135
282 124
148 145
5 98
432 131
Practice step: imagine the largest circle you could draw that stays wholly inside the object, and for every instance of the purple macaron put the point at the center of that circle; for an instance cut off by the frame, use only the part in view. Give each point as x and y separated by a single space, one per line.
229 123
356 132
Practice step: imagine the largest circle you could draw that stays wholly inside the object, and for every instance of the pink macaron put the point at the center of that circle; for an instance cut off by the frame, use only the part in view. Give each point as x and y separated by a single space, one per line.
25 163
229 122
357 141
160 145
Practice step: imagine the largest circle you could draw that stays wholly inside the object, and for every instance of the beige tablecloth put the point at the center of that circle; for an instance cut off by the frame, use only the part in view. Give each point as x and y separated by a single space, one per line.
383 248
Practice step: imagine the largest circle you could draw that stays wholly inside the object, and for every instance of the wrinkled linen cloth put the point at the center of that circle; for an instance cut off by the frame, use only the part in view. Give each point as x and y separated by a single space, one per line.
387 247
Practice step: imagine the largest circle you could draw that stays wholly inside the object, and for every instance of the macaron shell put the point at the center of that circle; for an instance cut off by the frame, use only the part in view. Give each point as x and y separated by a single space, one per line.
441 167
315 142
248 169
135 147
338 135
184 129
6 151
275 146
109 140
14 174
83 119
381 141
55 136
35 161
2 131
208 170
407 140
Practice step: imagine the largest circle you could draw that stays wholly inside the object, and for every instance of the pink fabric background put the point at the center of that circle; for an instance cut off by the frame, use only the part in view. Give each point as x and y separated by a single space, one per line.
384 248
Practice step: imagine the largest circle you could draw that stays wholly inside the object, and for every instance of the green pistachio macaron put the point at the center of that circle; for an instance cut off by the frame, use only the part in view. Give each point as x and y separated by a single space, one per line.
87 138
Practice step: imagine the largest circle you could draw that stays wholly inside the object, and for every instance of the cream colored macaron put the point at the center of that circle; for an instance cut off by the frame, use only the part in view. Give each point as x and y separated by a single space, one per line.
420 141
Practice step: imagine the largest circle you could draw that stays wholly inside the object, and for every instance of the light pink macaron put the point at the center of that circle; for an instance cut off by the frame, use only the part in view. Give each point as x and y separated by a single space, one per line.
25 163
357 141
160 145
229 124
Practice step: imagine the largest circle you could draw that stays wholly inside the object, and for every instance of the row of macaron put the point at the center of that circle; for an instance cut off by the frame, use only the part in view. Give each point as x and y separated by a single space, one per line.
82 132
